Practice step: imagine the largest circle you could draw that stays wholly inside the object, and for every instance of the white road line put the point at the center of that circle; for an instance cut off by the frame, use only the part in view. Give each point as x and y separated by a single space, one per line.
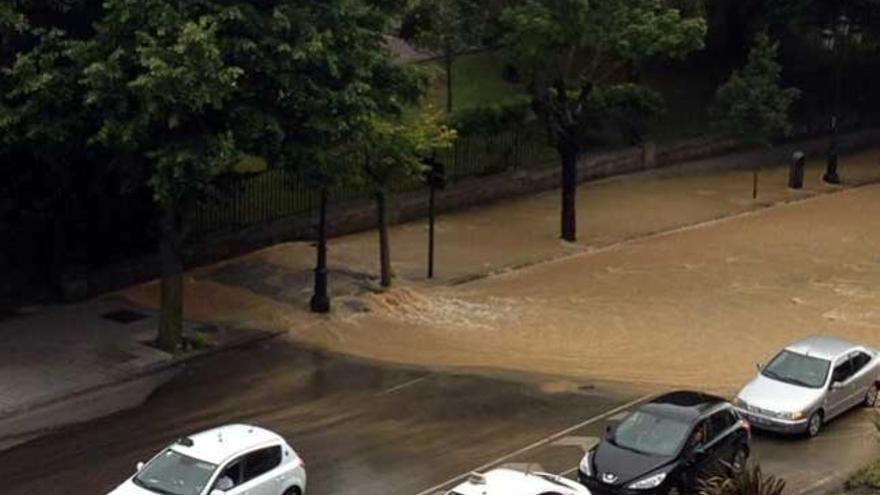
568 471
404 385
539 443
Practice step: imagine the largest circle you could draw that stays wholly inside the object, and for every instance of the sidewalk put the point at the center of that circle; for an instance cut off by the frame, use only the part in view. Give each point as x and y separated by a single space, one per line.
270 287
66 364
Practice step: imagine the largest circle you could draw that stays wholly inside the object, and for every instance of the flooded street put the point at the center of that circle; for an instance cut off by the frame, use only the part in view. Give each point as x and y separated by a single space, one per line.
369 429
696 307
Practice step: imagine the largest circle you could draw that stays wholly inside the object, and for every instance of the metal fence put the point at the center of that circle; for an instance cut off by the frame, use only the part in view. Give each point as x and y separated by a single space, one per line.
275 193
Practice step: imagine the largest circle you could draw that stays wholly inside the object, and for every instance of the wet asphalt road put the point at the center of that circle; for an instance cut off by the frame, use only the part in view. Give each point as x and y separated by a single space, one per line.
368 429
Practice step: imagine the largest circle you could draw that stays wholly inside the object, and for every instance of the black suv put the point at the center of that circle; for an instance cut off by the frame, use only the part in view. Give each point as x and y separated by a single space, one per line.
666 445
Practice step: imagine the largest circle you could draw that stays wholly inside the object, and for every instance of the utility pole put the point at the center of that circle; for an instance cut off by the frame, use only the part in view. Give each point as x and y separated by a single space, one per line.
435 176
320 302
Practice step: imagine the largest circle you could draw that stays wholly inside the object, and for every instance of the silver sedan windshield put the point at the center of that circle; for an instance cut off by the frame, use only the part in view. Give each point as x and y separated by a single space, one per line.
172 473
798 369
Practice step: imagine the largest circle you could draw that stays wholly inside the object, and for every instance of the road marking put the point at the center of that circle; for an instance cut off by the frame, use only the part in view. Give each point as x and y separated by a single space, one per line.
525 467
583 443
539 443
619 416
568 471
819 483
404 385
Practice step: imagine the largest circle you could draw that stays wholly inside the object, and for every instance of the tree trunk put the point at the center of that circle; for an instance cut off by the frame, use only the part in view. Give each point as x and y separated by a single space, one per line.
320 302
171 317
569 154
384 245
447 59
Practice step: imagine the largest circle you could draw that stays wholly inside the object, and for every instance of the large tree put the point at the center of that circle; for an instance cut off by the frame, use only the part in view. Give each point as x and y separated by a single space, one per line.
167 92
574 50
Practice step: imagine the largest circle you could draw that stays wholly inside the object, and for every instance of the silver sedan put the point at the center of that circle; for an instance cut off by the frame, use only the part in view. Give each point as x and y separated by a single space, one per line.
809 383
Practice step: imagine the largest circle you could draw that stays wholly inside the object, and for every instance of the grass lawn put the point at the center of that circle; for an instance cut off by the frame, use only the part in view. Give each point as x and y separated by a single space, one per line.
476 81
688 90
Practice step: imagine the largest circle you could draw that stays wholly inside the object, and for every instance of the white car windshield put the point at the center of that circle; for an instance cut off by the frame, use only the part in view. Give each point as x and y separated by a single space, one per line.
172 473
651 434
798 369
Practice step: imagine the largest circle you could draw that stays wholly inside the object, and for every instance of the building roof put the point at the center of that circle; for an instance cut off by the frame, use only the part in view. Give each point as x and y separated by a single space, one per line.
823 347
220 444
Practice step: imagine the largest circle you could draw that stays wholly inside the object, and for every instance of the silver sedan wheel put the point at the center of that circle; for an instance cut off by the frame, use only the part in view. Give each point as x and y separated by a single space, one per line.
815 424
871 397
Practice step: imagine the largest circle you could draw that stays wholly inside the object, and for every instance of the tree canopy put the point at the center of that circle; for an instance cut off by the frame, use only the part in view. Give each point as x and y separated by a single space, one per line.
753 103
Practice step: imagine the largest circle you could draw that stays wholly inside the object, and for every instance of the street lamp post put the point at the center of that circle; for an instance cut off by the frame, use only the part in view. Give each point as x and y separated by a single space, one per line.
836 41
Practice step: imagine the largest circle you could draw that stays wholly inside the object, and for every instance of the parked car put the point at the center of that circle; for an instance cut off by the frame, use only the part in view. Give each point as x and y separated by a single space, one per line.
809 383
667 445
510 482
229 460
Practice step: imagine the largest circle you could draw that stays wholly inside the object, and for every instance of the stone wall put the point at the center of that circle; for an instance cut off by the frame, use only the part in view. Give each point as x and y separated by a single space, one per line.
358 216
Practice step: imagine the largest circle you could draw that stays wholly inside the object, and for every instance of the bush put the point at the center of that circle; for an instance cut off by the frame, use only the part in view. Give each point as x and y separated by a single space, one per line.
493 119
748 481
865 478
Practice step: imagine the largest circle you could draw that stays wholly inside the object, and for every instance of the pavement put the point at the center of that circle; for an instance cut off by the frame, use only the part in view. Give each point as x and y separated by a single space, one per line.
373 429
66 364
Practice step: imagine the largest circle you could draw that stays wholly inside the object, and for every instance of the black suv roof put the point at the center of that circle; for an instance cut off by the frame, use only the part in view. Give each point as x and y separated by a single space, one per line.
684 404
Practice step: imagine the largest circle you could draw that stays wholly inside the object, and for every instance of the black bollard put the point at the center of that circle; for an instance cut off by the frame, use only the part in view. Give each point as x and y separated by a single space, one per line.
796 170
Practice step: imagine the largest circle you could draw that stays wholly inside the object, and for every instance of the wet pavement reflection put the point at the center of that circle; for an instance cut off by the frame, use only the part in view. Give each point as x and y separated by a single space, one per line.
373 429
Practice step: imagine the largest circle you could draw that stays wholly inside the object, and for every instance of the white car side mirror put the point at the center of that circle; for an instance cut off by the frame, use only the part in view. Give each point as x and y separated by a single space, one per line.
218 492
139 467
836 386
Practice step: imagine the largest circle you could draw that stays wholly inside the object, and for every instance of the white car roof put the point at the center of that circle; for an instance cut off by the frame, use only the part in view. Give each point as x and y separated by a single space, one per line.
824 347
509 482
218 445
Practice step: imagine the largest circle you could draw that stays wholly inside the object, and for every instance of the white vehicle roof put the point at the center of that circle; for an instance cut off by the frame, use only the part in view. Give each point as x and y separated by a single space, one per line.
220 444
510 482
824 347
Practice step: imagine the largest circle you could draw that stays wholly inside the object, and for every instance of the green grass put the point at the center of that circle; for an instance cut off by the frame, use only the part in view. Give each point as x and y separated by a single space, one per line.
688 91
476 81
867 478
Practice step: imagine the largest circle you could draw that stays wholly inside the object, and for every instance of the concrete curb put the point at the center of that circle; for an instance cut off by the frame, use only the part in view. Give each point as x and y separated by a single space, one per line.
147 379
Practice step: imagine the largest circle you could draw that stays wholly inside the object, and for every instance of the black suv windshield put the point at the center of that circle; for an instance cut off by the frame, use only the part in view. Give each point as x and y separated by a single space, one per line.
798 369
172 473
651 434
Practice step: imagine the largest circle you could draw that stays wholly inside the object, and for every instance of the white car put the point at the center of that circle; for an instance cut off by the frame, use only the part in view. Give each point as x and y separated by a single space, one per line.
229 460
510 482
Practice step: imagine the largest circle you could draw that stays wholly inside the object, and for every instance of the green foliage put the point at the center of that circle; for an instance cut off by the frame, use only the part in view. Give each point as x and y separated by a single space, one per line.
753 104
572 47
493 118
446 27
157 73
866 478
337 80
629 107
392 149
748 481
